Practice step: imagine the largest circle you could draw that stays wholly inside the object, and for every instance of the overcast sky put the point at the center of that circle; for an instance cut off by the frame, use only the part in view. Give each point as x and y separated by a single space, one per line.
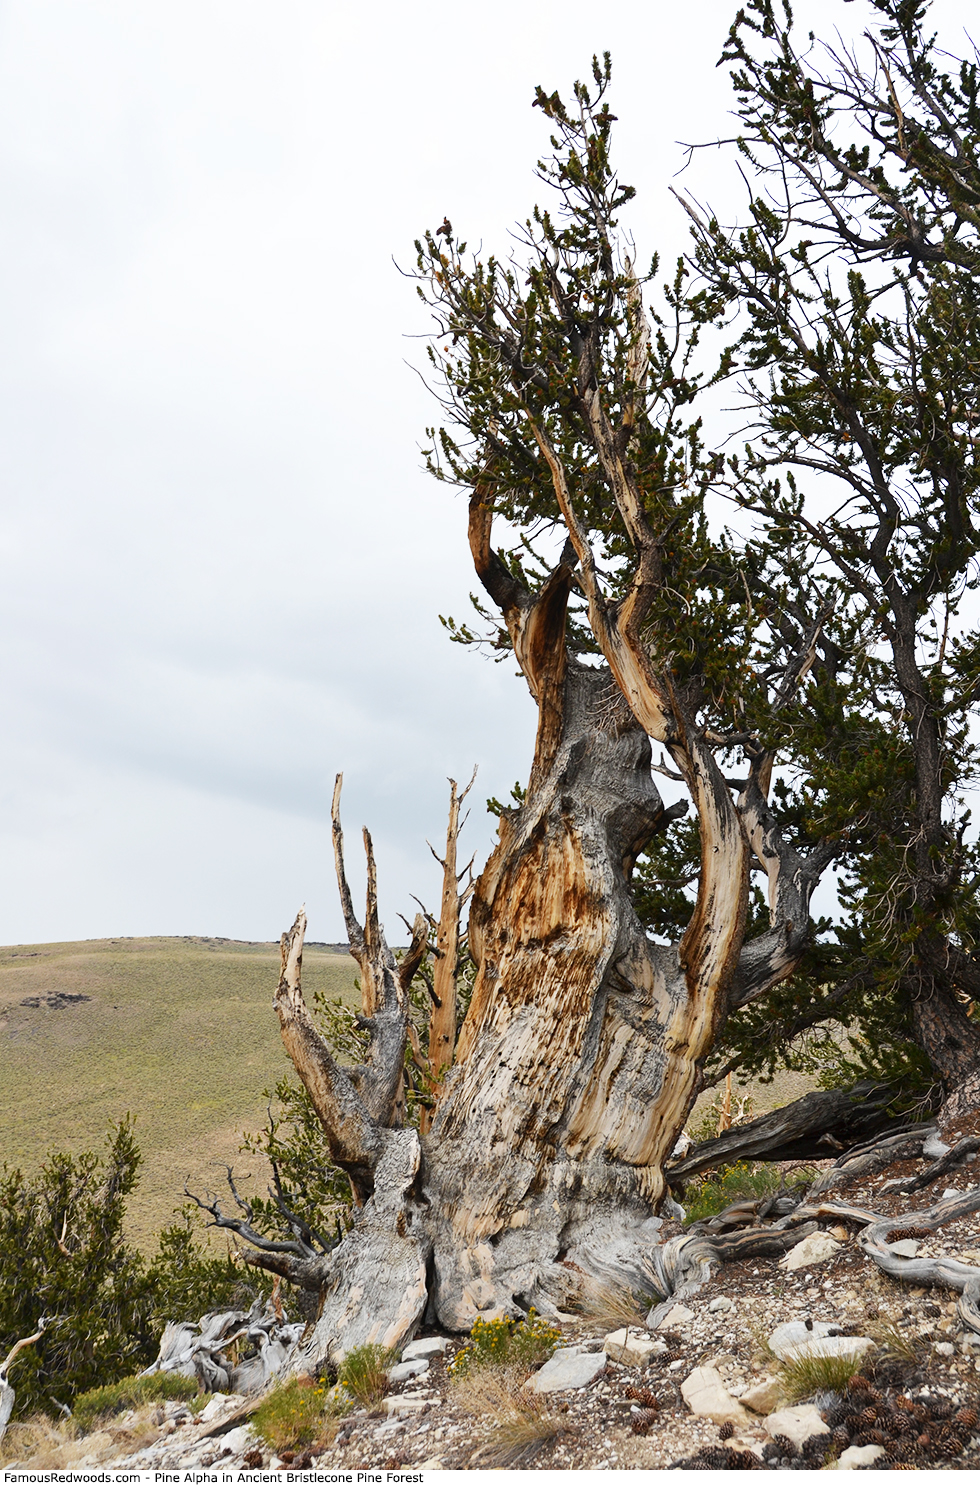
223 566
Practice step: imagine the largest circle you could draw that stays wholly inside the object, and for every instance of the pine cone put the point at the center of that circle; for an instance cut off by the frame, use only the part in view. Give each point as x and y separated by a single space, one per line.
967 1418
857 1383
642 1422
841 1436
942 1408
642 1395
787 1449
727 1430
904 1404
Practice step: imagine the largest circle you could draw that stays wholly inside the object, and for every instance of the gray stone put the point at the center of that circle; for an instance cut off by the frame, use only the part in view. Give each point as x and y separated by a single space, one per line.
431 1345
853 1346
798 1424
567 1369
786 1338
630 1348
719 1304
858 1459
816 1248
678 1315
707 1396
763 1396
406 1369
905 1247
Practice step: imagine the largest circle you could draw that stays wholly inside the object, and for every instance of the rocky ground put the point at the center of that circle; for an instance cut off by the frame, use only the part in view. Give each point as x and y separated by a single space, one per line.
705 1391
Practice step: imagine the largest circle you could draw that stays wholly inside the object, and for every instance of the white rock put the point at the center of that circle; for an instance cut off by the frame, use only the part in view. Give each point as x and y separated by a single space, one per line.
678 1315
720 1303
950 1192
793 1333
435 1463
432 1345
799 1423
567 1369
944 1348
763 1396
856 1459
707 1396
905 1247
406 1369
816 1248
934 1147
237 1438
395 1406
218 1405
631 1349
853 1346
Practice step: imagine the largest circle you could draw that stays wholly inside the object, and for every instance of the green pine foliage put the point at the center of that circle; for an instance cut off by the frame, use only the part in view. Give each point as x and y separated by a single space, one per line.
64 1258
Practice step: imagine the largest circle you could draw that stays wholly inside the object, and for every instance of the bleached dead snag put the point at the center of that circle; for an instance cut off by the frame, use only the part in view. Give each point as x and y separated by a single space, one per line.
443 1014
7 1394
230 1350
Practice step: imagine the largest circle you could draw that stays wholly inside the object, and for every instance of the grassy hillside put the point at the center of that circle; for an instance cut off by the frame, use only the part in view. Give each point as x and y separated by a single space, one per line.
178 1031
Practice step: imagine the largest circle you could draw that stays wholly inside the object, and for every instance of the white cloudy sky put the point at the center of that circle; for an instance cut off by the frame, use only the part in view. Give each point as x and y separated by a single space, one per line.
222 563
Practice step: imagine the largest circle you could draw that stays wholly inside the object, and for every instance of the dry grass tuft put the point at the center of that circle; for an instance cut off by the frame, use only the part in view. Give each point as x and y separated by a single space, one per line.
515 1423
612 1306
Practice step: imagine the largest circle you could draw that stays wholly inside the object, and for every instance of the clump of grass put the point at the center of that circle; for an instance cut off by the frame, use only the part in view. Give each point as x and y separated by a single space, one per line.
298 1413
364 1373
515 1423
520 1344
613 1306
802 1376
101 1403
740 1182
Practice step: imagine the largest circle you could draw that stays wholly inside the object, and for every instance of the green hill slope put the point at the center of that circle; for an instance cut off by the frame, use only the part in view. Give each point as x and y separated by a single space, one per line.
178 1031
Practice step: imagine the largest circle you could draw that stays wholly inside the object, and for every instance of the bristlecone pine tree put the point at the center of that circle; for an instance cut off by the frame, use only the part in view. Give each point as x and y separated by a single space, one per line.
578 1059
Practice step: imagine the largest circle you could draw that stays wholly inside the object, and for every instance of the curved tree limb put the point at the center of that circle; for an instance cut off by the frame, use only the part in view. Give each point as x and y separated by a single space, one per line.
353 1136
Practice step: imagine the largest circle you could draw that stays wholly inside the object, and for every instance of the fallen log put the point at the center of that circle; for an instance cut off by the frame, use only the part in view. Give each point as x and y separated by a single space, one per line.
811 1128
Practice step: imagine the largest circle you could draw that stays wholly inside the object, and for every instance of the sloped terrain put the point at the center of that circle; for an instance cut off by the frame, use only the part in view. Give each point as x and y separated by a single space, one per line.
178 1031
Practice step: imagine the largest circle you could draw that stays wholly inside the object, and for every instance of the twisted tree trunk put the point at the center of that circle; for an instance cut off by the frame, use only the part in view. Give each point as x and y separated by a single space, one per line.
580 1055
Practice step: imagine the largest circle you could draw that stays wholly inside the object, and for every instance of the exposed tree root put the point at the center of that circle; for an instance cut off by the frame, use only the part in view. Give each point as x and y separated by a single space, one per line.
684 1264
956 1156
947 1273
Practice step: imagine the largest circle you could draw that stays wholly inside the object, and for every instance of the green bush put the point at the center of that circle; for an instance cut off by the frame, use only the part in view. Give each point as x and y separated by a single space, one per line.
499 1343
298 1413
732 1183
63 1257
364 1373
134 1392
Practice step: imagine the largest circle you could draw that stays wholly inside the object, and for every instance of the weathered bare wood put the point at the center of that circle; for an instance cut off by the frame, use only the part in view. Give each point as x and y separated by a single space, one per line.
813 1126
855 1165
444 1011
353 1136
206 1349
379 1080
946 1273
684 1264
954 1157
375 1281
7 1394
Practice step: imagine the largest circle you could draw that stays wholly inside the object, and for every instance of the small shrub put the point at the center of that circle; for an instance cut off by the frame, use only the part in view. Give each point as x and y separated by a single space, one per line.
297 1414
739 1182
506 1343
133 1392
364 1373
802 1376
